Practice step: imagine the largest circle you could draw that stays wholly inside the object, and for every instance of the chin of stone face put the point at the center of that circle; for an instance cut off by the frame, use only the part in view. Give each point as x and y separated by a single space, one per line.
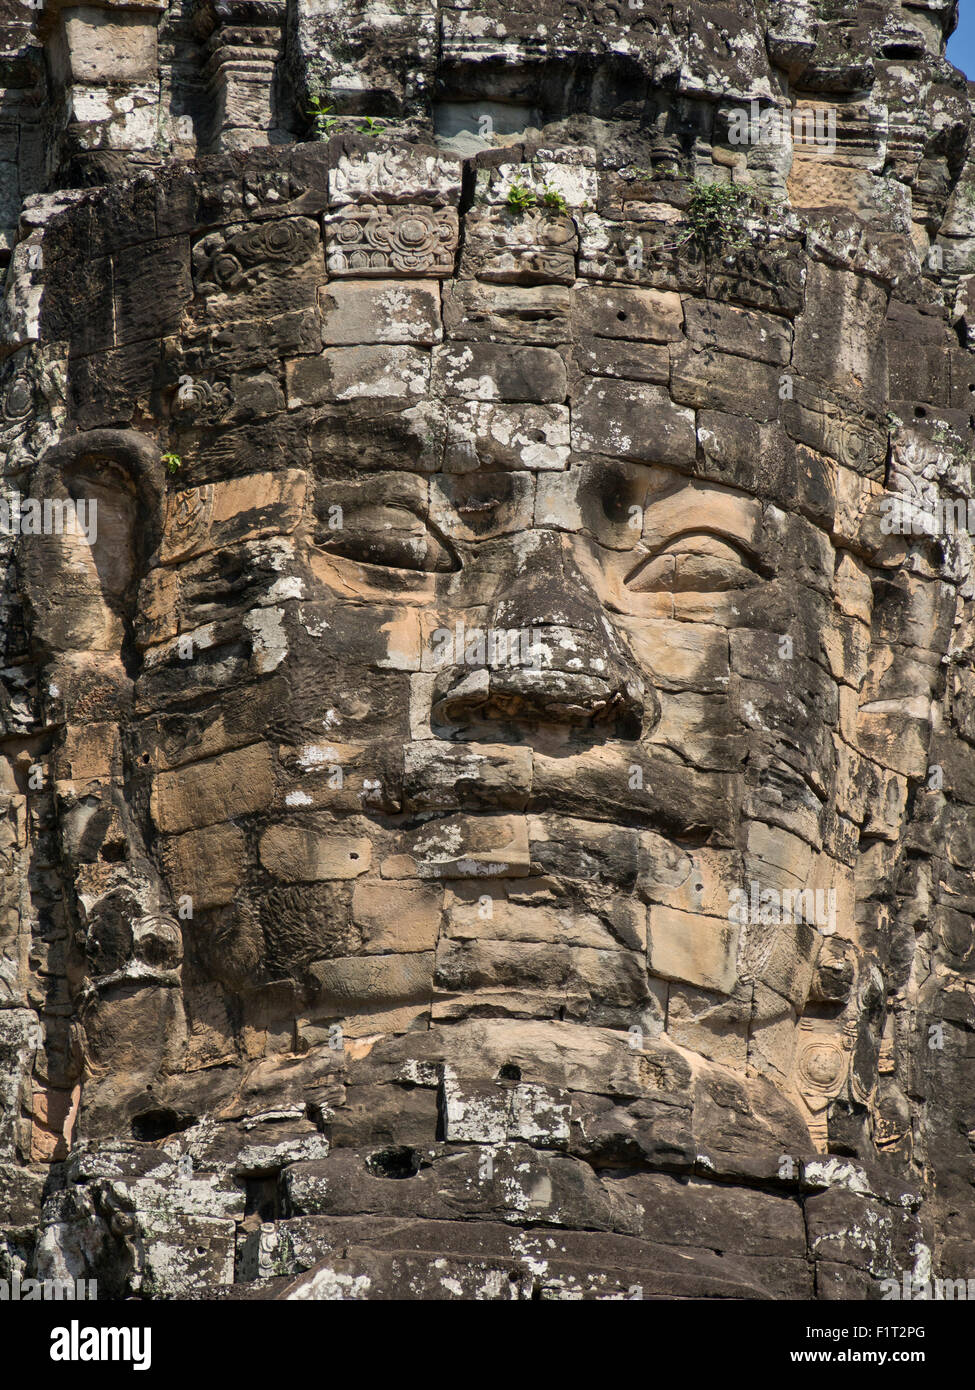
487 699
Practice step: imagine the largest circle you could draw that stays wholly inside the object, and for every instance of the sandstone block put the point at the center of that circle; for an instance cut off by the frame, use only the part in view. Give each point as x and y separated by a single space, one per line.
354 373
397 917
207 864
299 855
234 784
382 311
696 950
393 979
491 372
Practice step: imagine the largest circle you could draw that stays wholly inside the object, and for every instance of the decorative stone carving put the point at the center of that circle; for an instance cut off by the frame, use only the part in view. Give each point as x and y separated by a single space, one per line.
187 525
380 241
822 1065
535 248
32 389
203 401
242 42
394 176
239 258
157 939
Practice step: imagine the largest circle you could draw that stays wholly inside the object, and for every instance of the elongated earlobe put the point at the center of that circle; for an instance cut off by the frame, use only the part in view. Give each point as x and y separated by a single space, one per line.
87 528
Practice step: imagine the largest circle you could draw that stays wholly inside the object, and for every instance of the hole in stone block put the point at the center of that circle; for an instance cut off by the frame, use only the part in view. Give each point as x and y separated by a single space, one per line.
902 50
153 1125
261 1198
398 1162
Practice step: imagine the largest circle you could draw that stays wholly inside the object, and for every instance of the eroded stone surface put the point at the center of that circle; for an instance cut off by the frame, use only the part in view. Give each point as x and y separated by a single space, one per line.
487 812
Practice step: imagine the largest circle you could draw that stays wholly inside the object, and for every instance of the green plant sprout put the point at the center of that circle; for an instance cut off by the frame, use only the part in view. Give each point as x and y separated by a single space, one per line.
553 199
520 198
321 117
668 169
716 214
173 463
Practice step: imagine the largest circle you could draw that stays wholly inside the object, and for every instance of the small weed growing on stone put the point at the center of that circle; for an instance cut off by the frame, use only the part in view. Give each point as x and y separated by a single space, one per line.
554 201
716 214
321 118
173 463
670 170
520 198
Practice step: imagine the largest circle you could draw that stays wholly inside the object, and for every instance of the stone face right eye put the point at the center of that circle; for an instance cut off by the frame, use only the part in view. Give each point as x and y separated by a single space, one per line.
700 563
389 537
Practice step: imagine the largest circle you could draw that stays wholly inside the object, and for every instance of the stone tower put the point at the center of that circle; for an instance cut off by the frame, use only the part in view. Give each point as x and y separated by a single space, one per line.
487 702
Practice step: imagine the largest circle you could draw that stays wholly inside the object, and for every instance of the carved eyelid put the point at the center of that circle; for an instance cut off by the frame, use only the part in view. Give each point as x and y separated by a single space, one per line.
742 549
333 538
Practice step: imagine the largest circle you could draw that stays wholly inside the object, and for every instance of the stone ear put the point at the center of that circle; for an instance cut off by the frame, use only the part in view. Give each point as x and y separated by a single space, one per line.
92 519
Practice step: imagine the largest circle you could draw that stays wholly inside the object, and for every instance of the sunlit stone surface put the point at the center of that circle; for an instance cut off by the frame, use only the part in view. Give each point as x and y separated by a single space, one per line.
488 809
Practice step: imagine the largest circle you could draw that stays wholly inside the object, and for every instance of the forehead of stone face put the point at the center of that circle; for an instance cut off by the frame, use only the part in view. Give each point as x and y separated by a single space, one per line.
511 51
207 303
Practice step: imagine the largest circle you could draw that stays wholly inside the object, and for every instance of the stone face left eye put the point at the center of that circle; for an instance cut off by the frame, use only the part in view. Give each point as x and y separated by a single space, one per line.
698 563
389 537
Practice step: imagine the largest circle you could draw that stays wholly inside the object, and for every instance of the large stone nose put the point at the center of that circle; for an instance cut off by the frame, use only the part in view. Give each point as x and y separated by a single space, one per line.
549 656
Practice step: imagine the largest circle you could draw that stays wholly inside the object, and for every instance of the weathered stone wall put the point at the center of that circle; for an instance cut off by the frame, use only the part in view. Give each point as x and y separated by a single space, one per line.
342 955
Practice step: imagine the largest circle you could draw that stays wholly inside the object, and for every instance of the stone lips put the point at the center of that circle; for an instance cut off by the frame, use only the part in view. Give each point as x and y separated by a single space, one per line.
329 973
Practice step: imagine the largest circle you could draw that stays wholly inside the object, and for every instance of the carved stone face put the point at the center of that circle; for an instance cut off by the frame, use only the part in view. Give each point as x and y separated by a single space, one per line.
491 668
505 723
495 643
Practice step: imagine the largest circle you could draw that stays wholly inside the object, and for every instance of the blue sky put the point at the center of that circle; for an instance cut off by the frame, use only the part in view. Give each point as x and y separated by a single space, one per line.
961 48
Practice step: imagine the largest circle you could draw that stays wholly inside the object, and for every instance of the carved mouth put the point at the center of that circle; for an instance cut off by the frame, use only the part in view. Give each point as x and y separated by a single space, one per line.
556 847
404 790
